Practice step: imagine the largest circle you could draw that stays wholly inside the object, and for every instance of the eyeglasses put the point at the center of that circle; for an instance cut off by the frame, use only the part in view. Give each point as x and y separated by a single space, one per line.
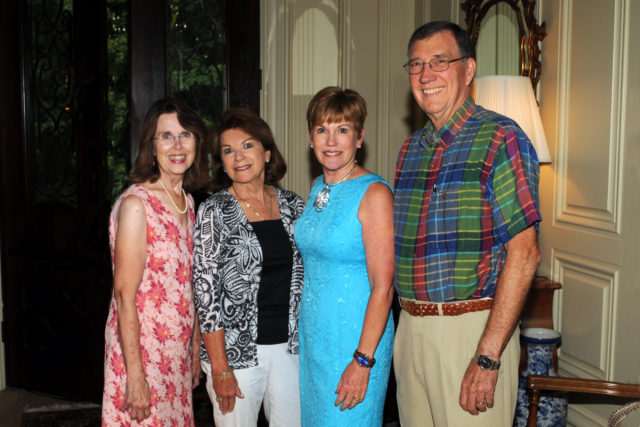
167 138
436 64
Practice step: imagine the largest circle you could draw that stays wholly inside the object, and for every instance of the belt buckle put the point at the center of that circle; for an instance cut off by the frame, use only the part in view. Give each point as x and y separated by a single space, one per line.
419 309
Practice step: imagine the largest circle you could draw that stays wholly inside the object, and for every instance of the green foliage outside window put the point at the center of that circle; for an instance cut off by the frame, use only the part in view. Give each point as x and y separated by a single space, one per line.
195 71
196 55
118 127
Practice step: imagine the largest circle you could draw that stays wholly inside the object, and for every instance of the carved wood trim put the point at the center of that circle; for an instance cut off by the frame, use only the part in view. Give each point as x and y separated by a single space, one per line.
530 32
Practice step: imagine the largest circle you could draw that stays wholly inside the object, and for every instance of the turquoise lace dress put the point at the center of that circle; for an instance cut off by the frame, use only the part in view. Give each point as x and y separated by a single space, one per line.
334 300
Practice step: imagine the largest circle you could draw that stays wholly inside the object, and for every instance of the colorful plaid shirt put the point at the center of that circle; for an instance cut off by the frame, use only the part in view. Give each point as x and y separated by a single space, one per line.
461 193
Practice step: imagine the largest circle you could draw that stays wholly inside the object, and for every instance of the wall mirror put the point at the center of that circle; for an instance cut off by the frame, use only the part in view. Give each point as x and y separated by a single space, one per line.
507 37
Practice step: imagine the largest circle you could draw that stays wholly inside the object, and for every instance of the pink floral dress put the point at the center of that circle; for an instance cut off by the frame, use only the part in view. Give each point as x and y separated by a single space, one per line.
166 314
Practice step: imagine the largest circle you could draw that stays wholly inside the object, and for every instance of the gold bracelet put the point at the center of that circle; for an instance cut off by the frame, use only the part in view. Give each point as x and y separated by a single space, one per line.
227 373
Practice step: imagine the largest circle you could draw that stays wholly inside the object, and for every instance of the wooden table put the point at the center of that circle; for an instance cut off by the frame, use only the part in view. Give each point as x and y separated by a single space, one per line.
538 312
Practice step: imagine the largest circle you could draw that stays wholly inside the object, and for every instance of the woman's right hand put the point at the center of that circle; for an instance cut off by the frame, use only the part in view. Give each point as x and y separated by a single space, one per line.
226 389
137 398
129 265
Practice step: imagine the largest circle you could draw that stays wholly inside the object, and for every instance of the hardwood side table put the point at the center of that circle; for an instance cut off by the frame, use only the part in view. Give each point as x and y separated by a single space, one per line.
538 311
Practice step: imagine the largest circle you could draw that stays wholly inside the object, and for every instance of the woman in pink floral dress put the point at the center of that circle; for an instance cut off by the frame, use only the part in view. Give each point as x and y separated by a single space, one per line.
152 336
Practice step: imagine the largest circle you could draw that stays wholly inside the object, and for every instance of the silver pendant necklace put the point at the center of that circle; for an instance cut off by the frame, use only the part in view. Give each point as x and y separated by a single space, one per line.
322 199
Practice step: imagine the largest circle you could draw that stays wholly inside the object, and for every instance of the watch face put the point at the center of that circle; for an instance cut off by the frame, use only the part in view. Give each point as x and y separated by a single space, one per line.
484 362
363 360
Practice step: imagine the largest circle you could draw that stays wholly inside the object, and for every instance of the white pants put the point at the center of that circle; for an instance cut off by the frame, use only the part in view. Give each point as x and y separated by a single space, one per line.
274 382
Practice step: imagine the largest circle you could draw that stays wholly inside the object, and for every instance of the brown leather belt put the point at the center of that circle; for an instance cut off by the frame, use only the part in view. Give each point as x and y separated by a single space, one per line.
421 309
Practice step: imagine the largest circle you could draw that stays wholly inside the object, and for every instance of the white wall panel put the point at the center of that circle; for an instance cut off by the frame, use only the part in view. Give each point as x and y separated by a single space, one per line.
627 350
315 52
588 242
590 237
589 195
584 416
359 44
587 298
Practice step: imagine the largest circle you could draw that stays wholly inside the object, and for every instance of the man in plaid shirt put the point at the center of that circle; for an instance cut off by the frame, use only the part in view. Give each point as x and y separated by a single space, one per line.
466 215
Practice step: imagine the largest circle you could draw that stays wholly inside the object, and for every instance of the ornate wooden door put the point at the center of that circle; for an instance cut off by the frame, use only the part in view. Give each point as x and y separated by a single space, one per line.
56 273
67 120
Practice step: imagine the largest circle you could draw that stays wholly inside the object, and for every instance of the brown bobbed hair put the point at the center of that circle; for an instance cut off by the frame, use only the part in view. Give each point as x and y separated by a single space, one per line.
333 104
146 167
256 128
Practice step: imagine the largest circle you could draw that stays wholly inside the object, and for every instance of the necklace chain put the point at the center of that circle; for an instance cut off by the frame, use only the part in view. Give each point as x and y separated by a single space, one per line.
184 195
323 197
249 206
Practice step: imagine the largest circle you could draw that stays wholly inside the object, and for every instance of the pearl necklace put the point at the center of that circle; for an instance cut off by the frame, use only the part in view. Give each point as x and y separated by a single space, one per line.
322 199
186 203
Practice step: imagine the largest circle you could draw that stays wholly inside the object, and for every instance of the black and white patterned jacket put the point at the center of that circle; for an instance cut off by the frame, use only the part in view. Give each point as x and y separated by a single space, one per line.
226 274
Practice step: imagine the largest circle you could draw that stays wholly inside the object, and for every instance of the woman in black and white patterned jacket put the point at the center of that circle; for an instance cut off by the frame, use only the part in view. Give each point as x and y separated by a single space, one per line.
248 278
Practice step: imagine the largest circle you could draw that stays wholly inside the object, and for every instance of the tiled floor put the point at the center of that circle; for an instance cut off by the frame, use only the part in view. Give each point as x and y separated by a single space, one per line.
14 401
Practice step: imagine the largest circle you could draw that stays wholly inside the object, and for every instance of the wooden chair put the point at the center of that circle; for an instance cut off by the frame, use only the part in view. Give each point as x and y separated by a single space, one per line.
538 383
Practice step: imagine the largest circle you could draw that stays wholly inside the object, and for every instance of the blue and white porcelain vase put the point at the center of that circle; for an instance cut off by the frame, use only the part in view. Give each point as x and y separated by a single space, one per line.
552 410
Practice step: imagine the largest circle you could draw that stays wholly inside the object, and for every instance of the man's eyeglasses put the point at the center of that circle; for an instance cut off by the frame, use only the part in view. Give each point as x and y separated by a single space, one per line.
436 64
167 138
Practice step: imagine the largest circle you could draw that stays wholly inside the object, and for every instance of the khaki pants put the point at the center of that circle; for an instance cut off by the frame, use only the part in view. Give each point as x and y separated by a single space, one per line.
431 355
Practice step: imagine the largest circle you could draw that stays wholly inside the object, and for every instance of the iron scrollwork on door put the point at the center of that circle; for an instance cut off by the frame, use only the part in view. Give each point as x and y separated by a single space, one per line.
48 74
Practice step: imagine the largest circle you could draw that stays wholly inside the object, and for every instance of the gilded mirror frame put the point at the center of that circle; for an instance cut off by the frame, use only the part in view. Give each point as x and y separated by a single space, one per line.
530 32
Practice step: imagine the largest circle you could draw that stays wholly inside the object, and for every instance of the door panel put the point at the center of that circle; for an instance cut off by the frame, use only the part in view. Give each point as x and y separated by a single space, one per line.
55 250
57 177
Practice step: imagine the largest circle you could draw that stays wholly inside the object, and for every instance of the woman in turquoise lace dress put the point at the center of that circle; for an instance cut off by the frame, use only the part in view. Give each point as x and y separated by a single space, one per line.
345 236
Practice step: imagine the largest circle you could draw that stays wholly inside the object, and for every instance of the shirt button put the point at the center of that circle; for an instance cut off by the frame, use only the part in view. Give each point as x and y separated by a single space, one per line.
444 195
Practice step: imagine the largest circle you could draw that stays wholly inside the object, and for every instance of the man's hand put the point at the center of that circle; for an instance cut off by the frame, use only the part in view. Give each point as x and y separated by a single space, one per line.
478 386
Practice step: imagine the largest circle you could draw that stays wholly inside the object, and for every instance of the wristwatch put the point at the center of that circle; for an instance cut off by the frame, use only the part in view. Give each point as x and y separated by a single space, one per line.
486 363
364 360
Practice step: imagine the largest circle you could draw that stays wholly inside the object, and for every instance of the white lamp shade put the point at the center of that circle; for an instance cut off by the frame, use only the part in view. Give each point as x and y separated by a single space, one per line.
512 96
